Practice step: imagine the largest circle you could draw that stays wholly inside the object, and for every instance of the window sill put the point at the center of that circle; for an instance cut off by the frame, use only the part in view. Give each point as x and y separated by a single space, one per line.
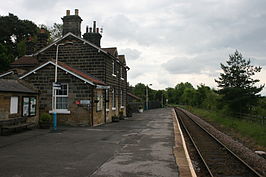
60 111
122 107
113 109
122 79
107 110
114 75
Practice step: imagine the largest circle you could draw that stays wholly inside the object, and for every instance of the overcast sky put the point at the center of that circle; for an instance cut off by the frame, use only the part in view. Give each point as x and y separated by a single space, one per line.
165 41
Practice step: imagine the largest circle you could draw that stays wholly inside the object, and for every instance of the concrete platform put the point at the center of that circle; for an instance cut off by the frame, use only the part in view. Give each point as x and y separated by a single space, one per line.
139 146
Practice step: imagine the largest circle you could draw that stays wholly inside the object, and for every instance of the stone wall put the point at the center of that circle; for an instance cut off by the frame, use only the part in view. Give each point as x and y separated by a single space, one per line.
90 60
77 90
5 98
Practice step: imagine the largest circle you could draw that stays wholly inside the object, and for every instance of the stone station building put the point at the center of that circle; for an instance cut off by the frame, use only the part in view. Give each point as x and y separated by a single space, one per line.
93 80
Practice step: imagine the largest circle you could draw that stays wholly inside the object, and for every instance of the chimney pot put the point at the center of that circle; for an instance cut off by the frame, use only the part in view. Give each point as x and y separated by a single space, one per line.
76 12
67 12
97 30
94 26
87 29
90 29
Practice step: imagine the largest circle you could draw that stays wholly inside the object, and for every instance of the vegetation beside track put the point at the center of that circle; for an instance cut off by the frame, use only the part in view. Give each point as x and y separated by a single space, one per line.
252 134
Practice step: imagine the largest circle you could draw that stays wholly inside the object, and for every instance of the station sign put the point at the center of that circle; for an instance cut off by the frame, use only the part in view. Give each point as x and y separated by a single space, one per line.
86 102
57 86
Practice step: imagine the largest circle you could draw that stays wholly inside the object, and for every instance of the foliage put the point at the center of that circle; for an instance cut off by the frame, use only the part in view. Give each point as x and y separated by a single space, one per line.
54 32
260 108
45 117
139 90
246 129
13 34
5 57
238 89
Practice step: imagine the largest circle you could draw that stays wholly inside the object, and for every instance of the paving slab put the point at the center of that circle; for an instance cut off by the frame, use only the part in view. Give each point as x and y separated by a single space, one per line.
138 146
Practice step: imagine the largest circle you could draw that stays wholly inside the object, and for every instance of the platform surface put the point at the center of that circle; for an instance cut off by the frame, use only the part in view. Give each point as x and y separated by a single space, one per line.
138 146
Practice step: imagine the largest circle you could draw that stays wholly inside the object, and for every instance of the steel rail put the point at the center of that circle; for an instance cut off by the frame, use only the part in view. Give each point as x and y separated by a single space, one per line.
196 147
217 140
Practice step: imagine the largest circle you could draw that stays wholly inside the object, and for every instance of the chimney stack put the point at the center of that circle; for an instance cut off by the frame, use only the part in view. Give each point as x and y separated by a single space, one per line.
93 35
72 23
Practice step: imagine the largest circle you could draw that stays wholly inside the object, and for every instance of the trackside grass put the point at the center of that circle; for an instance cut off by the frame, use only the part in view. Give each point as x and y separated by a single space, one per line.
248 132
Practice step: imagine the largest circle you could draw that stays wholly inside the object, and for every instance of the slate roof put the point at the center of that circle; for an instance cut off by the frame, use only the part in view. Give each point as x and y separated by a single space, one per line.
122 58
82 74
14 86
111 50
25 60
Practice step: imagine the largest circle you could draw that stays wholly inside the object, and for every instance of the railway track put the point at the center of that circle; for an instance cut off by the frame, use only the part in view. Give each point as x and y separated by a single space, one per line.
217 158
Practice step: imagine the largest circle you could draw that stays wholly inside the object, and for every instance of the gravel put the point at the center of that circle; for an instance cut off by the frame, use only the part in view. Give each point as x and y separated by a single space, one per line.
251 158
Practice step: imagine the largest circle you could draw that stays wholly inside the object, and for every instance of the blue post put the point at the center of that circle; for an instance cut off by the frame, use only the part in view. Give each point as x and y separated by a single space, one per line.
54 121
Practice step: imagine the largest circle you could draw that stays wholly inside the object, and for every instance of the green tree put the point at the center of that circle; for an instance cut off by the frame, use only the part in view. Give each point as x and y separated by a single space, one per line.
179 91
5 58
236 84
13 34
140 90
56 31
171 95
189 96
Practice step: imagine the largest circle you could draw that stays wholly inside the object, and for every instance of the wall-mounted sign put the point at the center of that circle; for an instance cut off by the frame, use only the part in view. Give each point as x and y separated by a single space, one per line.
57 86
85 101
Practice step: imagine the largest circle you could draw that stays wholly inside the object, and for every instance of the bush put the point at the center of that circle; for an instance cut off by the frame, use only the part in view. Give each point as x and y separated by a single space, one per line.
121 115
115 119
45 117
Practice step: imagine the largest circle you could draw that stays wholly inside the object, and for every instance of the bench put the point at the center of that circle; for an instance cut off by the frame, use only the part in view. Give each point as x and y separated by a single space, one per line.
15 124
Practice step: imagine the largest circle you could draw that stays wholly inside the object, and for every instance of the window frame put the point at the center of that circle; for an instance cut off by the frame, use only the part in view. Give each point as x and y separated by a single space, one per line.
121 73
99 104
121 99
29 106
61 96
107 102
113 68
113 100
14 105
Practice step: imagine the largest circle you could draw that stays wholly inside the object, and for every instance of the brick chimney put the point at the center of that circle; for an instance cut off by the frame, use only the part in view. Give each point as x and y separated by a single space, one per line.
71 23
93 35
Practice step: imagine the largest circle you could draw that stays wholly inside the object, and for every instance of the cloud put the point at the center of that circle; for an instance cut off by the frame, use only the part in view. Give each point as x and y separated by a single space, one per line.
166 41
181 66
131 54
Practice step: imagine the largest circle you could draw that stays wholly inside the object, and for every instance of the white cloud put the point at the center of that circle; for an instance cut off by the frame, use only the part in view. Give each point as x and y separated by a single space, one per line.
166 41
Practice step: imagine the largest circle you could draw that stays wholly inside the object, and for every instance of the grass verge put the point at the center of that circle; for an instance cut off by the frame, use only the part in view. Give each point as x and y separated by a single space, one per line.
252 134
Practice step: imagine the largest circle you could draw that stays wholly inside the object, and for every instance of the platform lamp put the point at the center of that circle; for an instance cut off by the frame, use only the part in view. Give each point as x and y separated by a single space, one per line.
56 84
147 95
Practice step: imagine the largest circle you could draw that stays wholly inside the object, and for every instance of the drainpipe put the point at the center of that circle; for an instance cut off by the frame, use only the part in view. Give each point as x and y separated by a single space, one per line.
92 102
104 106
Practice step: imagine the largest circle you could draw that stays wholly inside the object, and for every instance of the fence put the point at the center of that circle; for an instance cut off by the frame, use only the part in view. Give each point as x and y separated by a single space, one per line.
253 118
133 107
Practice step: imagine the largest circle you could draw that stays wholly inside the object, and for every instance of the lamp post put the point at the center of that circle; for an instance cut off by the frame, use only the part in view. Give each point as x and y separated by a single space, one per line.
55 81
147 95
